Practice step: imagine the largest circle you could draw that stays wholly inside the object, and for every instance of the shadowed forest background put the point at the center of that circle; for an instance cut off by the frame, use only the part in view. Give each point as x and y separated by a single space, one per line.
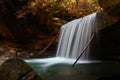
89 45
31 27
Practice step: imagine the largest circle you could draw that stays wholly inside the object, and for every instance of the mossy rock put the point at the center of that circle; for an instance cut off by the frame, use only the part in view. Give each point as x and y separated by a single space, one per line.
17 69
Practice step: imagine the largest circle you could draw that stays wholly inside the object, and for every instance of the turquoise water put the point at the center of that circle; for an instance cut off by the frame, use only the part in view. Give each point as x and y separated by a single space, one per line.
81 71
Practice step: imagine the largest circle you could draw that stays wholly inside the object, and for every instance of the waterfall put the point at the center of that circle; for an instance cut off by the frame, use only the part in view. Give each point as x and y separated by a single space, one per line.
74 36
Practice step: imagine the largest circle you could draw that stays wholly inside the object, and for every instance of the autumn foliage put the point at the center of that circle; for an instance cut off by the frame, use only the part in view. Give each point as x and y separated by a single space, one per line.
66 9
38 21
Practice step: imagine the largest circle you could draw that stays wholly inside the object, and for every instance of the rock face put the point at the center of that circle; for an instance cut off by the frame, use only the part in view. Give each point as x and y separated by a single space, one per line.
108 3
17 69
110 13
104 20
111 7
110 42
109 26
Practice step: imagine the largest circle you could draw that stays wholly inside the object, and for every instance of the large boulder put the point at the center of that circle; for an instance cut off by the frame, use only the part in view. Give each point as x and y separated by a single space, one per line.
17 69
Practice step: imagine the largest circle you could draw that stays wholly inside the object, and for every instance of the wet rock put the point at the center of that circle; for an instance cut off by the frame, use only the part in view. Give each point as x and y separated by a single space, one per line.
17 69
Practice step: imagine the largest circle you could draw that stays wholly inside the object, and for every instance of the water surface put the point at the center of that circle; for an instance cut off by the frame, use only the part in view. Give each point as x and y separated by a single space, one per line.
61 69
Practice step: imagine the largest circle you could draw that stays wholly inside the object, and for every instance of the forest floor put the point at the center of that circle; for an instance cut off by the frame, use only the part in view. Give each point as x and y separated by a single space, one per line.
10 49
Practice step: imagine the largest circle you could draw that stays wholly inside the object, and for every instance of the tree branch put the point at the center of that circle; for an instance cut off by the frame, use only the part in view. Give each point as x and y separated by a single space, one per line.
50 43
84 49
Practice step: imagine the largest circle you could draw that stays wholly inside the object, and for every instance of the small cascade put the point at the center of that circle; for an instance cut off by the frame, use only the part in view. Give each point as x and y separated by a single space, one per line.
75 35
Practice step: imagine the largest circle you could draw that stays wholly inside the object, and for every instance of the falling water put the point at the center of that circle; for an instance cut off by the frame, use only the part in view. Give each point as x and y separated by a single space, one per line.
74 36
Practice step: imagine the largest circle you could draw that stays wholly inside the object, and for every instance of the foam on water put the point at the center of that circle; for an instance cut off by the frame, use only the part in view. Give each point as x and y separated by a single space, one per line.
57 60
